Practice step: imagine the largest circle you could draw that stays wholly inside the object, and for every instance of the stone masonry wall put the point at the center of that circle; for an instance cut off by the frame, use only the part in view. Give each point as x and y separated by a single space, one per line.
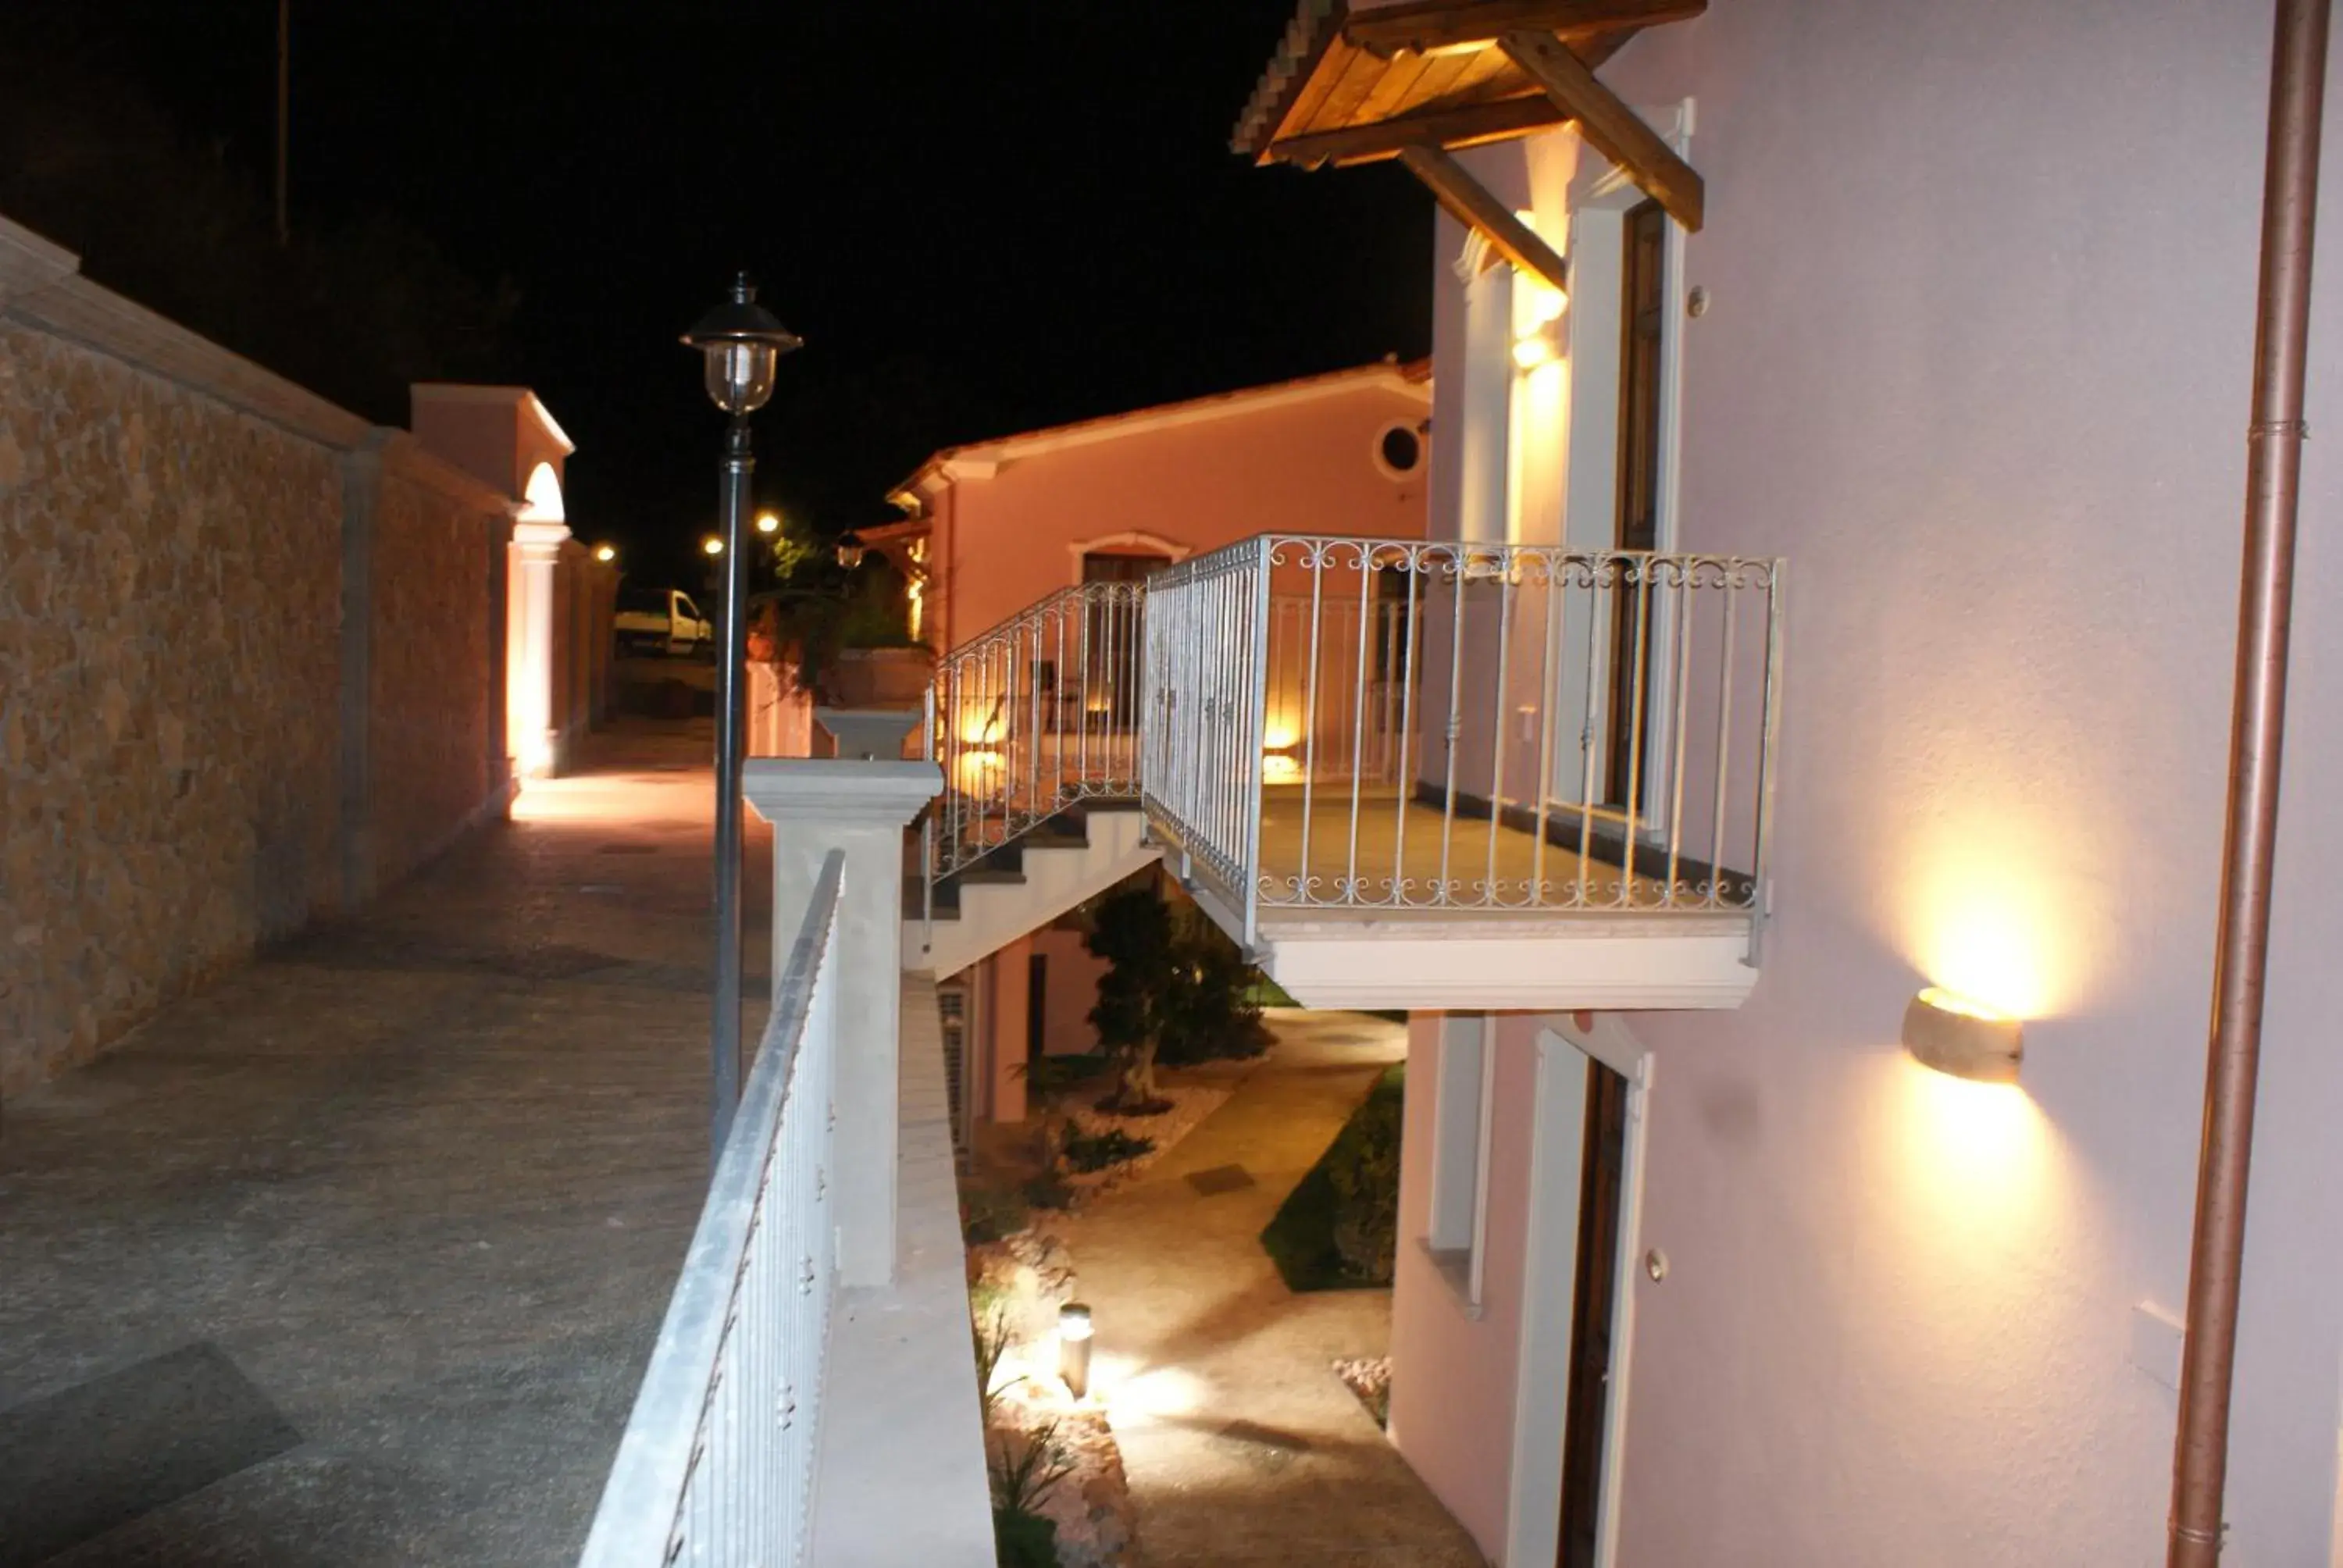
170 583
430 708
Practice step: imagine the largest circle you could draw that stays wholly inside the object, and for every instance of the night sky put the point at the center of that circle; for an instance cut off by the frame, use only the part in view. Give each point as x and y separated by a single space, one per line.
1022 216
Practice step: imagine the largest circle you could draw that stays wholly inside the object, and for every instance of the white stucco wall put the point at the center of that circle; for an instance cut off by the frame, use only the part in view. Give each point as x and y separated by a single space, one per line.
1976 363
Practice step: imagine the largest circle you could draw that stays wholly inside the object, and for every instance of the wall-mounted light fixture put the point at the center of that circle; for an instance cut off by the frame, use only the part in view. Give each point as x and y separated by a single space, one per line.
1074 1348
1540 346
1538 306
1955 1035
850 550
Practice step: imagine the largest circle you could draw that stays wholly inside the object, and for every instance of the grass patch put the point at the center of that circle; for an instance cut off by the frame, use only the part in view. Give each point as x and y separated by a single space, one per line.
1300 1240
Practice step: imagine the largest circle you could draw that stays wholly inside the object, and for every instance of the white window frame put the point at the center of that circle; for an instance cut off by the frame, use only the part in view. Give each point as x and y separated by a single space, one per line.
1591 485
1464 1105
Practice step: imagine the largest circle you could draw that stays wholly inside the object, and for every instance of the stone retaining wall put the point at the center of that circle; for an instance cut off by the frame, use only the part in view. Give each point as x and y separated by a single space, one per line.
195 759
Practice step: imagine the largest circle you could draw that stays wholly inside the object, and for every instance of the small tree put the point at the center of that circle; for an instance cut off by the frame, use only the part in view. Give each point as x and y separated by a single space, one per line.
1131 930
1209 1013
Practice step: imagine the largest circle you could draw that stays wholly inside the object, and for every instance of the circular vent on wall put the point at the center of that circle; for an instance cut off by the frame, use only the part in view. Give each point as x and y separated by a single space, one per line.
1399 451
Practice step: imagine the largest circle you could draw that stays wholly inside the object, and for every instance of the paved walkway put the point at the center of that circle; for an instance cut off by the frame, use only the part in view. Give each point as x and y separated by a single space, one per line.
356 1257
1243 1446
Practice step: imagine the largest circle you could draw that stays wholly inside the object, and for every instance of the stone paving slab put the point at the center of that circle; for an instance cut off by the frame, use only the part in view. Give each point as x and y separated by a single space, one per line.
423 1180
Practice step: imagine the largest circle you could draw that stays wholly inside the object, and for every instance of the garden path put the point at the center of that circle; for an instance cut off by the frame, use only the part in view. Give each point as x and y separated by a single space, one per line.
1241 1445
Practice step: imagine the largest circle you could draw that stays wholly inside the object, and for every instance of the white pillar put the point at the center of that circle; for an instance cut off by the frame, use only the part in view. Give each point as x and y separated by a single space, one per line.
816 806
539 546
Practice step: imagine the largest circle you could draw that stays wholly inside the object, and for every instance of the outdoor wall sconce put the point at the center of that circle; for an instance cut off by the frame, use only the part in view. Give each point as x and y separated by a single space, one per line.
850 550
1957 1036
1540 346
1074 1348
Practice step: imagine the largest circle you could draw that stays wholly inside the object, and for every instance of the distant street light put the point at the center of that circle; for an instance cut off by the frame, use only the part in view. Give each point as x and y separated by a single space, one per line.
713 545
605 553
768 523
740 343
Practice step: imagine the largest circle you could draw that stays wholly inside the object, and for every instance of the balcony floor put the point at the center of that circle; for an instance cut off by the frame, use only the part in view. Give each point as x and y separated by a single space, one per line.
356 1257
1415 843
1602 951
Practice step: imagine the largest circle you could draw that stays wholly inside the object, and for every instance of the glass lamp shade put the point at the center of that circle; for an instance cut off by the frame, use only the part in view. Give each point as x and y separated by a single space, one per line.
740 341
850 551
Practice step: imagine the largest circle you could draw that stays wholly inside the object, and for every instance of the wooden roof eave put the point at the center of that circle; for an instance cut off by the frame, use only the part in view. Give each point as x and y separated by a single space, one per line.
1370 96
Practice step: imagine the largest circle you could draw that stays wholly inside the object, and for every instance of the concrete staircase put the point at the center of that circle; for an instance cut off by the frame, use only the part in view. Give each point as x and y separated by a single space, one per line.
1023 885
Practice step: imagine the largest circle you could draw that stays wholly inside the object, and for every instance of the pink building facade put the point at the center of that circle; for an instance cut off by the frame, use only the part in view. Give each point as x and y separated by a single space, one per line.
994 525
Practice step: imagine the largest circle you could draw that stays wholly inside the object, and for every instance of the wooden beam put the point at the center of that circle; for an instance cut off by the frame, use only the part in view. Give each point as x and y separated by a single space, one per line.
1608 124
1464 127
1469 202
1421 24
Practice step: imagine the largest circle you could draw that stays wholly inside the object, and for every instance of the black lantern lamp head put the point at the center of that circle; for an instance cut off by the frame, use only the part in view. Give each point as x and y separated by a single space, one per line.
850 550
740 340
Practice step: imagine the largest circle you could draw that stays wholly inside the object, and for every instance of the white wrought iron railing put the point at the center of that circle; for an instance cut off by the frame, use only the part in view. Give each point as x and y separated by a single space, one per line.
717 1464
1385 724
1036 715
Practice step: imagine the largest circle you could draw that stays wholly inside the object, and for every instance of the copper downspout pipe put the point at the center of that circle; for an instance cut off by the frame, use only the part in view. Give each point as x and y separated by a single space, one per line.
2258 726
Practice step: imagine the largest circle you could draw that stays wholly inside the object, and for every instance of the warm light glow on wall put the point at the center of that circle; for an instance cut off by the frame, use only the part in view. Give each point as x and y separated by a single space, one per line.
1280 768
1538 306
1982 929
1281 735
978 772
979 725
1969 1223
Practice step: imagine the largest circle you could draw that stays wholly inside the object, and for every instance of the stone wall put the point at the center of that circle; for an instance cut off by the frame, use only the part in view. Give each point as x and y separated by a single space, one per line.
199 752
167 752
436 738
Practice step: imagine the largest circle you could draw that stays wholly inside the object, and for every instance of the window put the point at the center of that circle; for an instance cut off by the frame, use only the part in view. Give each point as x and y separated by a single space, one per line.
1399 451
1461 1105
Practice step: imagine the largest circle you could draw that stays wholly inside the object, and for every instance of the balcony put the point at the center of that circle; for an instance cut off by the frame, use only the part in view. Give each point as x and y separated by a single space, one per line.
1412 774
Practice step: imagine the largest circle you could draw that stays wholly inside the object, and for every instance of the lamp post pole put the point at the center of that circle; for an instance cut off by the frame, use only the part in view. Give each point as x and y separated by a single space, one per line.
740 342
731 652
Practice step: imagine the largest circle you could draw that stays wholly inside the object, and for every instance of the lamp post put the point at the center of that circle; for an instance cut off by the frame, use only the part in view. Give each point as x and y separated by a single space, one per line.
740 343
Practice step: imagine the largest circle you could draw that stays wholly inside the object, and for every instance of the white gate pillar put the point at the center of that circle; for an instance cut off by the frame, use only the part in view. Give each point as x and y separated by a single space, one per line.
537 547
818 805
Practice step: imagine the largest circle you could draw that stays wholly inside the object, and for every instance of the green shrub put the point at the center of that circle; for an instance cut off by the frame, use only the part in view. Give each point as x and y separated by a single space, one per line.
1021 1539
1335 1233
990 1214
1211 1007
1363 1169
1024 1470
1096 1150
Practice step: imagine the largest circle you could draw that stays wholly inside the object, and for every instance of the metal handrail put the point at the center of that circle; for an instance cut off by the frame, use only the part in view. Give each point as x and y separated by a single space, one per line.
1365 724
1033 716
717 1463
